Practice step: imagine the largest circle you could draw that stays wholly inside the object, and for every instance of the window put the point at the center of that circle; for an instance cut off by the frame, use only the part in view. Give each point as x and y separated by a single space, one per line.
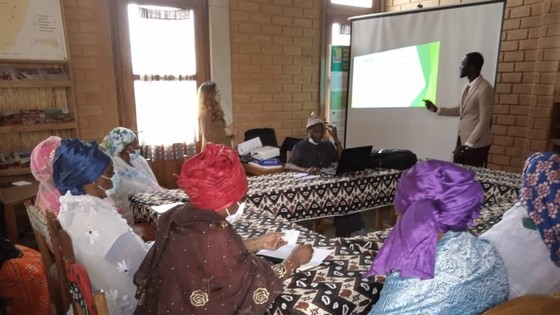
338 33
355 3
164 68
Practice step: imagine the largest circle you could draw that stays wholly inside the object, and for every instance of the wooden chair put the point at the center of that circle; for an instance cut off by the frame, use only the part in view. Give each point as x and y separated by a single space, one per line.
77 292
527 305
38 221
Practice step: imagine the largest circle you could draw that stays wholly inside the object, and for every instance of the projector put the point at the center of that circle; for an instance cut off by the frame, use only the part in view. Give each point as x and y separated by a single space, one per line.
266 152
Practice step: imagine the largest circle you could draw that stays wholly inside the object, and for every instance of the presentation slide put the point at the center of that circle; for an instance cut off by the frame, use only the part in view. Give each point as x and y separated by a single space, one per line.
397 59
400 77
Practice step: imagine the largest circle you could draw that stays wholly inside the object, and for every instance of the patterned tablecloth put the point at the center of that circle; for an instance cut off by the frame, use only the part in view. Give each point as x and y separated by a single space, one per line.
296 199
336 286
498 185
299 199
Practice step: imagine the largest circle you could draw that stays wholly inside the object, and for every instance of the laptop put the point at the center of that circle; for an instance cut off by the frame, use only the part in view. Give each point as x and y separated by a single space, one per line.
352 160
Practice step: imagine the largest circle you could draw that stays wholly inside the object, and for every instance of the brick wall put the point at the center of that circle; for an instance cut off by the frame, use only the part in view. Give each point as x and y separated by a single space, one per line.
275 58
528 72
89 38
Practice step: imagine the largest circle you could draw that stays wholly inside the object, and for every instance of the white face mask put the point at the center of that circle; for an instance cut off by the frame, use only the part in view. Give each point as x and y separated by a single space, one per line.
232 218
313 142
135 154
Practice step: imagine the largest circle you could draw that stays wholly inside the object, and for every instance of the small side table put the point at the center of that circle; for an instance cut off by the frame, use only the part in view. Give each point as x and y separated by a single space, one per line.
12 196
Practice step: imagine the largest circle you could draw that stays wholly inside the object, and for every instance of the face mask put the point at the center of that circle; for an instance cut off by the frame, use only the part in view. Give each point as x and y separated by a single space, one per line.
115 180
232 218
135 155
313 142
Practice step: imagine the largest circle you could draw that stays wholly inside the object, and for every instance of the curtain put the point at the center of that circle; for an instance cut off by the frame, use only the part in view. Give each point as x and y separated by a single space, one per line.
164 69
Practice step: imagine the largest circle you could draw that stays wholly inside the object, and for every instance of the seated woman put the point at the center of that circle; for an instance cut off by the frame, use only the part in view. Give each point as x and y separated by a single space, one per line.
101 239
312 154
23 283
435 265
41 168
199 264
528 237
135 174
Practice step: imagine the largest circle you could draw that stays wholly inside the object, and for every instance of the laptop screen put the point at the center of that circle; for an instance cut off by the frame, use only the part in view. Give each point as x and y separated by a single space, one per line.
353 159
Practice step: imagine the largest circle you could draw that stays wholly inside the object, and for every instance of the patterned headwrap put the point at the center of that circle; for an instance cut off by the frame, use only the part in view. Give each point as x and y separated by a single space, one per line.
432 196
42 168
540 194
213 179
77 163
313 120
117 139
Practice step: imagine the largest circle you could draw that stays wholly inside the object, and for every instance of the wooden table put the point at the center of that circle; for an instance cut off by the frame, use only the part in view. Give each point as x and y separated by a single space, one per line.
251 169
12 196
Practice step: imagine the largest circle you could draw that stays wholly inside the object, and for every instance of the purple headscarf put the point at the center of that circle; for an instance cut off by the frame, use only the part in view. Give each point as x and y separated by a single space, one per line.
431 197
540 194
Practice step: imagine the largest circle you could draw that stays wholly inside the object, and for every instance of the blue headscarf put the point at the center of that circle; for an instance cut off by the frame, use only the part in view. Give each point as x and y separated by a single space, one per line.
432 196
77 163
540 194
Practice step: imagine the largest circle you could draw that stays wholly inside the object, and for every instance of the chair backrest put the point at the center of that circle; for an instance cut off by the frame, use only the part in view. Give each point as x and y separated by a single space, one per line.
75 285
84 300
267 135
287 145
53 227
38 219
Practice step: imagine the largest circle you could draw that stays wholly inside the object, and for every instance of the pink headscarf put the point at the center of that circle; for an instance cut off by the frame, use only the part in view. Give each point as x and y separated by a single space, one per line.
42 169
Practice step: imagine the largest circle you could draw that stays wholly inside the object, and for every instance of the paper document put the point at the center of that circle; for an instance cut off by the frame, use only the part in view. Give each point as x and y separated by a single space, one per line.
305 176
21 183
291 237
249 145
164 208
319 254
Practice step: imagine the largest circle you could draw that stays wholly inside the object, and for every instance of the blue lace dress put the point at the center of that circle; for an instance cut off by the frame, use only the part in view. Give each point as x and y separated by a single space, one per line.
470 277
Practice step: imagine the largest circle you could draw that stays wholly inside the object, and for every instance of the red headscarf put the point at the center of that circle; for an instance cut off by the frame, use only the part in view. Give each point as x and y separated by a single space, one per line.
213 179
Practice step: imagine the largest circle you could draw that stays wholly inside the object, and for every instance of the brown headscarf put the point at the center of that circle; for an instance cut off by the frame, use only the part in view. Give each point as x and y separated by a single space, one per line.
213 179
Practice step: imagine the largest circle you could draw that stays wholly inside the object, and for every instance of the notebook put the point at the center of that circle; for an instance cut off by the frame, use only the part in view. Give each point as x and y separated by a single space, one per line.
351 160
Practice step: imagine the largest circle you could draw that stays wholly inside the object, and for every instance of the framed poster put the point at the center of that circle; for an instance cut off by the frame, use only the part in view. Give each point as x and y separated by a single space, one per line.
32 30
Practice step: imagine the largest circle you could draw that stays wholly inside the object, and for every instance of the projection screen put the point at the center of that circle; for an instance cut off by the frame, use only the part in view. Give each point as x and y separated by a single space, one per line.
397 59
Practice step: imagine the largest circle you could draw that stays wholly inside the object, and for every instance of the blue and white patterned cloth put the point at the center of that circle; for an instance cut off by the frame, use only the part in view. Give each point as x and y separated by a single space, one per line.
470 277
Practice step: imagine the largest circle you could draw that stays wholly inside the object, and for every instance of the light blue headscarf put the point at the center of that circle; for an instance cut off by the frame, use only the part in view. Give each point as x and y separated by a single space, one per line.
117 140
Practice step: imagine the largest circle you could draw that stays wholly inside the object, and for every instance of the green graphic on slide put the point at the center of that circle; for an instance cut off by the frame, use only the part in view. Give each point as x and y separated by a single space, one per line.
428 54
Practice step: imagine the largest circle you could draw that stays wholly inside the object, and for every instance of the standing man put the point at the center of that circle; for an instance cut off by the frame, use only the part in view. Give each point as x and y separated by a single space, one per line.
475 114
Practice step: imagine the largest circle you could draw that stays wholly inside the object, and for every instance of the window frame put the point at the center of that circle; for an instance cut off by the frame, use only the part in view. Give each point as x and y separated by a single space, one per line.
122 52
336 13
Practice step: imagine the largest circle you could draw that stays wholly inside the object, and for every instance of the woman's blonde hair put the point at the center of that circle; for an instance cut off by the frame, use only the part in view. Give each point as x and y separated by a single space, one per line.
207 100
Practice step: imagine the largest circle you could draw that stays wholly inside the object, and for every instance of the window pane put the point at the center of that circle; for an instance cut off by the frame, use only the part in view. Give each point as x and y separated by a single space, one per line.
160 46
338 38
166 111
354 3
